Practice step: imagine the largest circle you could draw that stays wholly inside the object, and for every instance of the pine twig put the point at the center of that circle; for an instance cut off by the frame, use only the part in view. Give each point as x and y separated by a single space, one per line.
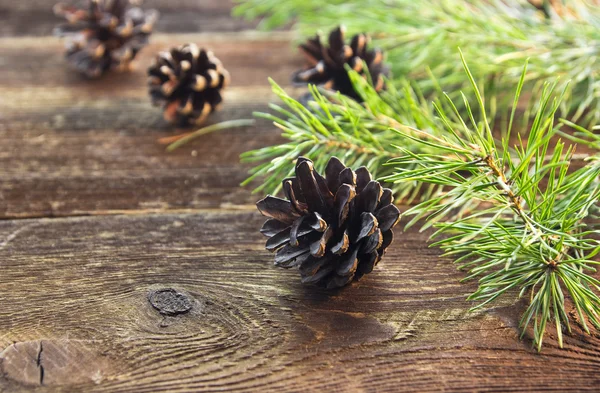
181 140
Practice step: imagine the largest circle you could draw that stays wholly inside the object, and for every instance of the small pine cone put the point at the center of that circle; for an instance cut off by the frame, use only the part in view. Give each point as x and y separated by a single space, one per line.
104 34
335 228
187 83
326 64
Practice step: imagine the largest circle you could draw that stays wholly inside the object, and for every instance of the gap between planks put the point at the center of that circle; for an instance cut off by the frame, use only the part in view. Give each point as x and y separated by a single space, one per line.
165 38
226 208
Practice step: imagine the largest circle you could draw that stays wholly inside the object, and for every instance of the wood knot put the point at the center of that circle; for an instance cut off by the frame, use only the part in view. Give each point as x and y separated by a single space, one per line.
170 302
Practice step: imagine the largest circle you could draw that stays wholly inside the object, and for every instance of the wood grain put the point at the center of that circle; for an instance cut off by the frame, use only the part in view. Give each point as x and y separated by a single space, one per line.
127 269
251 326
76 147
35 17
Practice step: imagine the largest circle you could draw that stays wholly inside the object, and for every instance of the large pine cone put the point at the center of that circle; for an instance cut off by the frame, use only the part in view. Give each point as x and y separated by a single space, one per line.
334 229
104 34
187 83
326 64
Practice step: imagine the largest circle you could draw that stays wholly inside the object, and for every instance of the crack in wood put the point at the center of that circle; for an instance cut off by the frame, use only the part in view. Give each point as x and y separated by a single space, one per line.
13 235
53 362
39 362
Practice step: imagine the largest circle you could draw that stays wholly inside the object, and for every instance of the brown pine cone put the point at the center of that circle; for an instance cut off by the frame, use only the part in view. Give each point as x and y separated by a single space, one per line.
334 229
326 64
104 34
187 83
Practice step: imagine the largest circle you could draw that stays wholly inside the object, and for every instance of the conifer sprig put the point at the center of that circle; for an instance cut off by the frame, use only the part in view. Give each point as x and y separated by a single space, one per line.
421 37
530 232
359 134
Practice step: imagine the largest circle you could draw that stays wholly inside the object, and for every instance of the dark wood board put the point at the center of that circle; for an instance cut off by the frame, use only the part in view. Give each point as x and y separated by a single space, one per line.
75 293
124 268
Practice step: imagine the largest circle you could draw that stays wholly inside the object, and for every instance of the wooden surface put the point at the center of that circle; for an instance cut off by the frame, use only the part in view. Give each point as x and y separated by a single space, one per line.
127 269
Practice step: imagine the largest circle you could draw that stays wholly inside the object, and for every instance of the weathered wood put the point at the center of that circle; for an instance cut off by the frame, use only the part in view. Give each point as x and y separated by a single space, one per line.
177 293
82 284
35 17
34 65
87 147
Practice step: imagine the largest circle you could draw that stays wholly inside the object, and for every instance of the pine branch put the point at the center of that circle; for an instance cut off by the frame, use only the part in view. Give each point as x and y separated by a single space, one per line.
359 134
497 36
531 234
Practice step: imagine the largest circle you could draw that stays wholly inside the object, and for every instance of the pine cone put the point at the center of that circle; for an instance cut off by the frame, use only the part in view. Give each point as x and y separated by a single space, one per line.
104 34
187 83
334 229
326 64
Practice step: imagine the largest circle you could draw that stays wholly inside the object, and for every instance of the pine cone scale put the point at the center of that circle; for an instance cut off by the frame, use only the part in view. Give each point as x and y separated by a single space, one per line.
345 195
373 242
363 178
386 198
317 249
272 227
368 225
348 264
369 196
341 246
388 238
387 217
278 240
367 264
311 278
302 227
290 193
289 254
277 208
358 45
312 266
308 185
332 173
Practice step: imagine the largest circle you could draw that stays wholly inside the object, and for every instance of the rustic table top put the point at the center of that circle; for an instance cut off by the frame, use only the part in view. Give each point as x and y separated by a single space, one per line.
128 269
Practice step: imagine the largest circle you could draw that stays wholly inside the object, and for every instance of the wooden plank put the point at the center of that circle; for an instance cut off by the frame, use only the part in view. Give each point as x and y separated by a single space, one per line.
89 147
35 17
76 290
32 62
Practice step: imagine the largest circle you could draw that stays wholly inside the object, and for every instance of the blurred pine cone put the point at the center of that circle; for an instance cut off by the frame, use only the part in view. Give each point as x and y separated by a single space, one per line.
187 83
104 34
334 229
548 7
326 64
